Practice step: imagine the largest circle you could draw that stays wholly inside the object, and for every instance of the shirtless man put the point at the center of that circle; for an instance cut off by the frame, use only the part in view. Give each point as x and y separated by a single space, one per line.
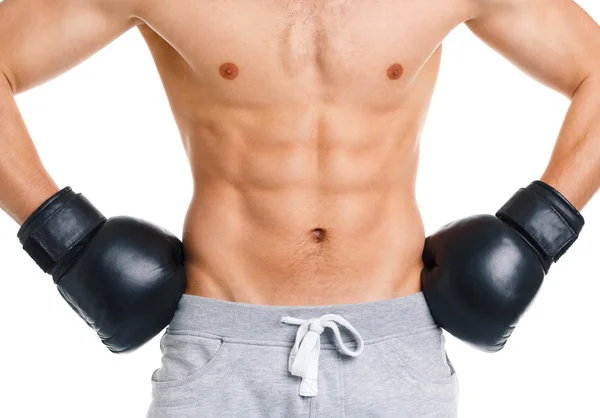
301 120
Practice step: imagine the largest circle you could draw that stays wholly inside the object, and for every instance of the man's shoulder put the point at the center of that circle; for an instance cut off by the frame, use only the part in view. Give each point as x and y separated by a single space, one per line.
130 8
509 3
480 8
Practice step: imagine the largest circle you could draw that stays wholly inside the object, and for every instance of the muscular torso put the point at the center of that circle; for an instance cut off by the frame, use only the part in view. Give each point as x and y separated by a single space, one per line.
301 120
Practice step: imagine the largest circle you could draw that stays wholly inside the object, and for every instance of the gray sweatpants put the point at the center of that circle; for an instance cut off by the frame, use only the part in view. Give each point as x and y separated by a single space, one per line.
376 359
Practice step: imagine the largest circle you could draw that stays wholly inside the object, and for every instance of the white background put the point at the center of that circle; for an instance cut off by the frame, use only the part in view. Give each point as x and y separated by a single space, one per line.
105 129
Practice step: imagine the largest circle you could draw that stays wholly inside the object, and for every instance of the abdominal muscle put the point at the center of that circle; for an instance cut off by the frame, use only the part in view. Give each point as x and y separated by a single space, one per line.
305 205
304 182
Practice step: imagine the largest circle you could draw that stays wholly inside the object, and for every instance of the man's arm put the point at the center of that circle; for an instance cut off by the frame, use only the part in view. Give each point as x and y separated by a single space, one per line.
39 40
557 43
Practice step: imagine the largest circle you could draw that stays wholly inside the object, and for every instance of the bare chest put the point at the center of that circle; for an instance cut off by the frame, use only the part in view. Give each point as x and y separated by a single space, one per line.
305 48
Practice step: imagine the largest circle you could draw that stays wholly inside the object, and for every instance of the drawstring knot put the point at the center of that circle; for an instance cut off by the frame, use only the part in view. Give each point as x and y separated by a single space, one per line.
304 357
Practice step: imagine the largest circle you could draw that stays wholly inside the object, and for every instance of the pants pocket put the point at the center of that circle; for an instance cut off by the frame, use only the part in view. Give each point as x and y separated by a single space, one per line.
421 362
192 366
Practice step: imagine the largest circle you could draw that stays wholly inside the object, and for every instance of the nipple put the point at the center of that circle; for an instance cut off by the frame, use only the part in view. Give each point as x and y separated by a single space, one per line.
229 71
318 234
395 71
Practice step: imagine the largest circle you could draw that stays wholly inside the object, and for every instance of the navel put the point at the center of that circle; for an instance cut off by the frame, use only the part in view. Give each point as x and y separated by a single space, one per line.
229 71
395 71
318 234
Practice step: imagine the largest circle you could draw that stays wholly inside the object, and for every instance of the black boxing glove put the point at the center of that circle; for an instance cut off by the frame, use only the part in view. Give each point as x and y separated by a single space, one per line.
123 276
483 272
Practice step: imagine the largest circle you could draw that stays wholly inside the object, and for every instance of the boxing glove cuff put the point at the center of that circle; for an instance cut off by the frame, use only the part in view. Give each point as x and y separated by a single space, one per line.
54 234
545 218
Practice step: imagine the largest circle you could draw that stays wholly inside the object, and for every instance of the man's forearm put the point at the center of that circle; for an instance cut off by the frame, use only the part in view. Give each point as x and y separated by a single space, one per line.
24 182
574 168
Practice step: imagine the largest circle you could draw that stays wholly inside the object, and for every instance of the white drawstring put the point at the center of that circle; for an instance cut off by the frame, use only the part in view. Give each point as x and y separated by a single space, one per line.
304 357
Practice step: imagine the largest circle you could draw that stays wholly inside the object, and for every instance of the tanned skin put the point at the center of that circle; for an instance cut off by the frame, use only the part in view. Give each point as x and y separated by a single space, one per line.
301 120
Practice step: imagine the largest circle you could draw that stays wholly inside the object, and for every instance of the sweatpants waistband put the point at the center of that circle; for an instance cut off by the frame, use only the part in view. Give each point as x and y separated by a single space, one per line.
252 323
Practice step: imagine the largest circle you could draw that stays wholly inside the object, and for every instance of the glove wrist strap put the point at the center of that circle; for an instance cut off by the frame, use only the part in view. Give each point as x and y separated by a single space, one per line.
58 229
545 218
